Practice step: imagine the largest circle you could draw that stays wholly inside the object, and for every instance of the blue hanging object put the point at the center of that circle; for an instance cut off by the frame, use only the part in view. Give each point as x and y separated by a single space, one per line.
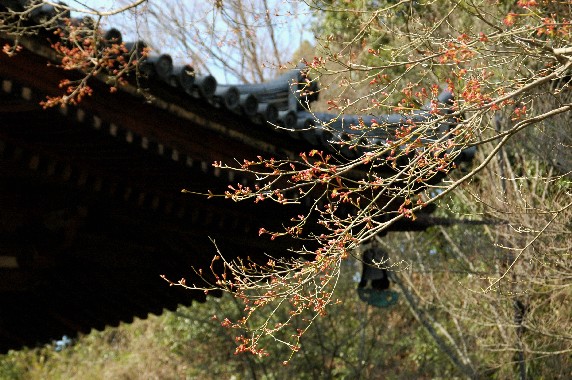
374 285
378 298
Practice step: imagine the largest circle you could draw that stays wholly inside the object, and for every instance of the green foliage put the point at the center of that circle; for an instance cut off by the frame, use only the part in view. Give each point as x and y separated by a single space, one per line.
10 368
428 357
355 21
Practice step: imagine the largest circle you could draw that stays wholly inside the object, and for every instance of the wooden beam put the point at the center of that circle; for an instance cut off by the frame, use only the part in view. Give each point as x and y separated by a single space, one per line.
16 107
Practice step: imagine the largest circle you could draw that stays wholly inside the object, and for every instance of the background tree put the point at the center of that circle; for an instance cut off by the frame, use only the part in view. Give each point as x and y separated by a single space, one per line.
508 68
